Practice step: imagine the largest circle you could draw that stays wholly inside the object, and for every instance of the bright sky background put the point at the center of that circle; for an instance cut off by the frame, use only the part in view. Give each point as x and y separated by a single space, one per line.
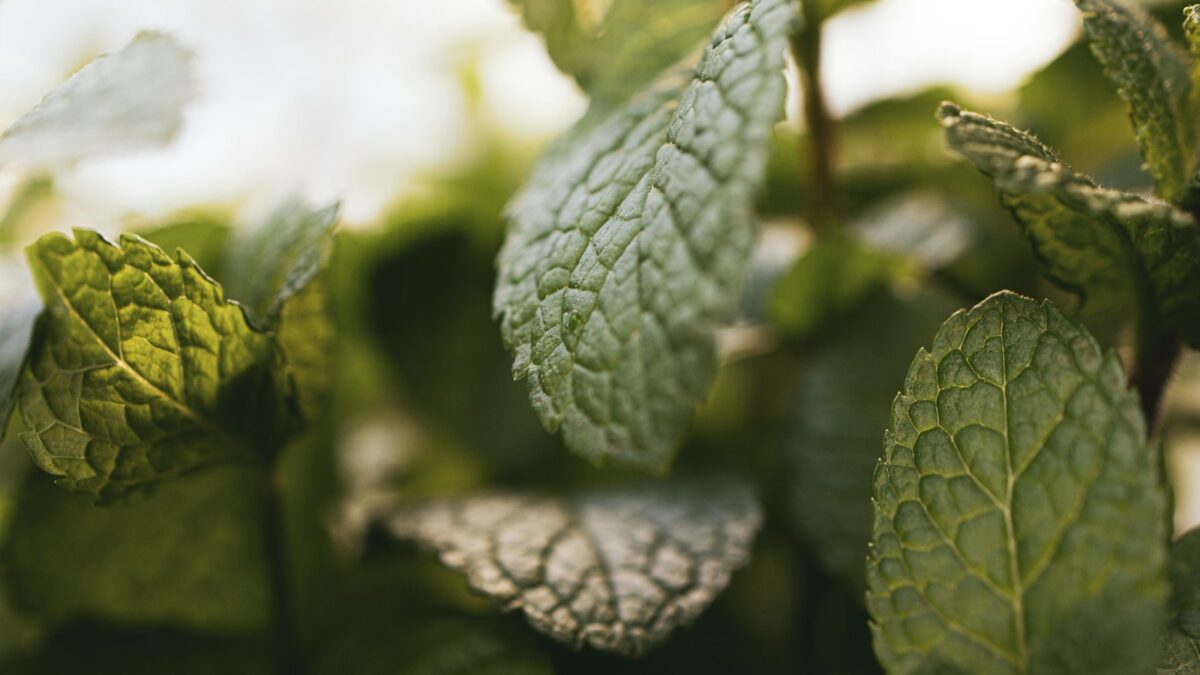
353 99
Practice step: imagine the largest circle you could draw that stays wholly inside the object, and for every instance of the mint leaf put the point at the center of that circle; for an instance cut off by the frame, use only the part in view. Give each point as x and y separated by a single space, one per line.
204 236
307 337
144 371
1018 507
19 309
617 570
630 243
614 48
186 554
275 261
842 401
1154 77
441 645
1111 247
127 100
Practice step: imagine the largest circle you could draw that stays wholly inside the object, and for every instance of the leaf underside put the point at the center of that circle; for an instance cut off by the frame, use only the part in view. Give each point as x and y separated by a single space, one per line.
630 243
1018 508
616 570
1116 250
144 371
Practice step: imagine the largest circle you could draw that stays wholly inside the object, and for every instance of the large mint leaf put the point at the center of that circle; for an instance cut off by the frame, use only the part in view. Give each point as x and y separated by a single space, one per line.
19 309
1115 249
187 553
1019 512
842 403
1154 77
144 370
617 570
613 48
128 100
630 244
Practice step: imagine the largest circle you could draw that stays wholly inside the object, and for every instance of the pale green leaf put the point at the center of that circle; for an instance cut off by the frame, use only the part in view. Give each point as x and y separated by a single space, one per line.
1115 249
19 309
630 244
144 370
127 100
433 646
617 570
1153 75
841 407
614 47
269 264
187 554
1018 506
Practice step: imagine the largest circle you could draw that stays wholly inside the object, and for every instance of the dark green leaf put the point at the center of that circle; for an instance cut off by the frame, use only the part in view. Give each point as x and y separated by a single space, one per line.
842 406
185 554
144 370
1179 644
1154 77
1115 249
631 241
1018 506
617 570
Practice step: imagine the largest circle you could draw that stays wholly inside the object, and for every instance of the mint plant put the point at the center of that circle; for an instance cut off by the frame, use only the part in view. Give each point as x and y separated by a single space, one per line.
287 447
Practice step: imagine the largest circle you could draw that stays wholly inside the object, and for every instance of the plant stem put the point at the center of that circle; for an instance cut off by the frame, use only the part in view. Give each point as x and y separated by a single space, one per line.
274 541
1157 353
822 129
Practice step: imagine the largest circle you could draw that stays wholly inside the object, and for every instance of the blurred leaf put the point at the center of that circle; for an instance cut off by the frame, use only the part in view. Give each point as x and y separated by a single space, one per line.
186 554
264 267
203 236
1113 248
27 204
144 370
98 649
1179 644
842 406
1016 481
127 100
614 47
918 226
832 279
308 338
439 645
19 310
828 8
617 570
615 337
1154 77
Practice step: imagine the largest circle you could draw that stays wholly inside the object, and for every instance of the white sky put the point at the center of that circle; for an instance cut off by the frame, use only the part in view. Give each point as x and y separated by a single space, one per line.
352 99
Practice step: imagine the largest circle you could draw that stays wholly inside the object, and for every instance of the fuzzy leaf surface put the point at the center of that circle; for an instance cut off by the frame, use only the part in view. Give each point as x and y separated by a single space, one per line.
617 570
630 244
1019 511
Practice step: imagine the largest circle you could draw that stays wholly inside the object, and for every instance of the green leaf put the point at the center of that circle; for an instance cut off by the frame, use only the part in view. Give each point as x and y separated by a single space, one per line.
840 407
204 236
613 48
1154 77
19 309
1114 249
187 554
1179 644
144 371
617 570
630 243
307 337
273 262
441 645
128 100
1018 506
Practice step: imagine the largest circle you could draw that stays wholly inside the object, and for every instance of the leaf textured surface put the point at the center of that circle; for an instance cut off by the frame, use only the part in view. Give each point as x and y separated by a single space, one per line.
142 363
1153 75
616 570
1015 487
1111 247
630 244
